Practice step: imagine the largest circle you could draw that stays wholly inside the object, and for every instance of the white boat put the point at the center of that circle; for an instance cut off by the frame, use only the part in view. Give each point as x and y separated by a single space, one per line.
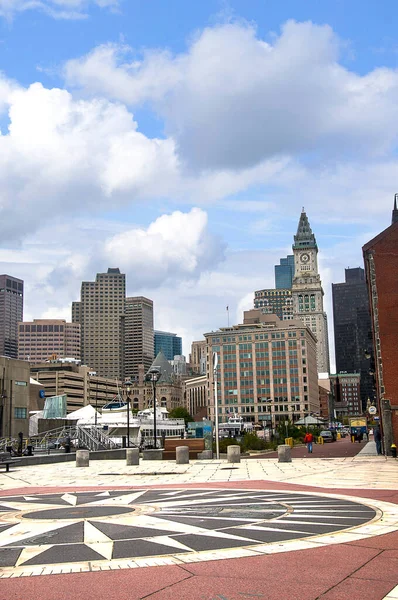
235 426
113 420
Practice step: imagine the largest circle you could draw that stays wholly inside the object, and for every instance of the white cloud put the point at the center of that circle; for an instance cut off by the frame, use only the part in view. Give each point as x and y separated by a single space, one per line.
233 100
58 9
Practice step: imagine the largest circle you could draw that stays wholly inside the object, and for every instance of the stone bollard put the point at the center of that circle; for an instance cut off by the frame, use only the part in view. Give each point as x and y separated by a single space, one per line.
233 454
132 457
182 455
284 453
82 458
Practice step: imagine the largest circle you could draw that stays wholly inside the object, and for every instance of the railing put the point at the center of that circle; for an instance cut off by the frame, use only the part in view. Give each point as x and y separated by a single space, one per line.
90 437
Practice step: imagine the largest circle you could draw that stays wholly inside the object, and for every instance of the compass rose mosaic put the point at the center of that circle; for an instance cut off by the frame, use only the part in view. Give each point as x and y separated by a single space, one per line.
95 530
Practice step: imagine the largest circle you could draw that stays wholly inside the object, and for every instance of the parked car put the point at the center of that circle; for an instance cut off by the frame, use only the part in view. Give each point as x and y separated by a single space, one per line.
327 436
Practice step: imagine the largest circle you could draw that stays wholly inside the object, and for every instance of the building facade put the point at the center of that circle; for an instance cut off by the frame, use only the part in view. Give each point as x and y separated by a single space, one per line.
170 343
138 335
81 385
307 292
42 339
196 396
266 370
353 331
346 390
198 357
284 273
381 268
11 312
15 397
100 314
275 302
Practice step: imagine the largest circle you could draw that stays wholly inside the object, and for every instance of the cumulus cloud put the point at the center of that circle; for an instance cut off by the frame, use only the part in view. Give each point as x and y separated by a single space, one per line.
58 9
232 99
61 154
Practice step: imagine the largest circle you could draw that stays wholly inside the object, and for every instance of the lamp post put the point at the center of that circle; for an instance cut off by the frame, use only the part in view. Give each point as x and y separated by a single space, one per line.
215 365
96 404
153 375
128 390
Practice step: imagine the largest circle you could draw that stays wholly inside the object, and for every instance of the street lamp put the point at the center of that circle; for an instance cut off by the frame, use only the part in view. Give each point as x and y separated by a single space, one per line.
153 375
128 390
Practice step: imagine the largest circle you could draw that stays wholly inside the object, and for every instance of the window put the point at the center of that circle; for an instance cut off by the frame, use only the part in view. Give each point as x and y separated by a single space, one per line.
20 413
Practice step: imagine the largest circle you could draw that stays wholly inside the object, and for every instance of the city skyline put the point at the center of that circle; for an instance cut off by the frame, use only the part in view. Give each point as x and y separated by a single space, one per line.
115 152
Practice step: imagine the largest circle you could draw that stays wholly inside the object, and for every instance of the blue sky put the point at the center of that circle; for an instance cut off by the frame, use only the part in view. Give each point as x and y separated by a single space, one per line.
180 140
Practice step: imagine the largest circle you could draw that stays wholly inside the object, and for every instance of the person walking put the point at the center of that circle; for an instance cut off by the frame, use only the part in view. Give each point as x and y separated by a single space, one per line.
377 439
308 439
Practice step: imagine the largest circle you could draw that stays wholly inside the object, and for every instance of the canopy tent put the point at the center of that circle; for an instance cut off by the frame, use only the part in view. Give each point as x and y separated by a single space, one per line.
310 420
84 415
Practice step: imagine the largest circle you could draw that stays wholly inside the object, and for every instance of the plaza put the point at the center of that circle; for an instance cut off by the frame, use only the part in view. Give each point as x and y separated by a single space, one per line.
313 528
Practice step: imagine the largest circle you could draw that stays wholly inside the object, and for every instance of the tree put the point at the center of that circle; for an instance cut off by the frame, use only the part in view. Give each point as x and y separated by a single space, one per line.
180 413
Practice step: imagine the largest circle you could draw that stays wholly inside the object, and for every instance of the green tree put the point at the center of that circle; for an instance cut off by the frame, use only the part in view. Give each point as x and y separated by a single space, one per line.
181 413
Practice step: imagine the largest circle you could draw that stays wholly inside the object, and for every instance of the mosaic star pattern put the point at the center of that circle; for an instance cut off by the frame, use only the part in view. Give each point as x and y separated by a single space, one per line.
54 529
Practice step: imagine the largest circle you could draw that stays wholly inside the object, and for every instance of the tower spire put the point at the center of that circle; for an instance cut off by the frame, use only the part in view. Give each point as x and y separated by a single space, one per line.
394 217
304 237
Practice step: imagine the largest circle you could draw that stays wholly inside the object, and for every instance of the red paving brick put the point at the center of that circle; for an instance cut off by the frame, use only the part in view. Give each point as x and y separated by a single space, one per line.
381 568
339 449
354 589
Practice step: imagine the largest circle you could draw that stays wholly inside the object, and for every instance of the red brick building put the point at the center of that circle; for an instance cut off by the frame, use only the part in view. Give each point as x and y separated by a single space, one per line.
381 267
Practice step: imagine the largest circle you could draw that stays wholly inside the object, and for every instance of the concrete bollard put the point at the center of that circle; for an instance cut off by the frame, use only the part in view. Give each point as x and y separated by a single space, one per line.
182 455
132 457
284 453
82 458
233 454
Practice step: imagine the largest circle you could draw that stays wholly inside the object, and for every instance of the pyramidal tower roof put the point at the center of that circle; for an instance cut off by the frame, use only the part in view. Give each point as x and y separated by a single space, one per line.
304 237
166 370
394 218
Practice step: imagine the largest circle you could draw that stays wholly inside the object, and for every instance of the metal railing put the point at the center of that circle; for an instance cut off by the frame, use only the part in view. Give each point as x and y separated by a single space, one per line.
89 437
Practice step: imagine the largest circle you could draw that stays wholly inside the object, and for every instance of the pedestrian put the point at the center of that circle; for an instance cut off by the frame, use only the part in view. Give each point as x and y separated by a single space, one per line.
377 439
308 439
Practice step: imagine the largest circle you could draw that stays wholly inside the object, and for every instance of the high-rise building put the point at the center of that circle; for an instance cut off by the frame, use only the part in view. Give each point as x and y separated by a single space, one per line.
346 390
40 339
170 343
353 331
198 357
11 311
266 370
100 313
275 302
381 268
138 336
284 272
307 292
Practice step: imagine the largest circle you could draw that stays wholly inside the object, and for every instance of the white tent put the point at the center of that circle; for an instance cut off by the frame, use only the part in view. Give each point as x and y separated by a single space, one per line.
84 415
310 420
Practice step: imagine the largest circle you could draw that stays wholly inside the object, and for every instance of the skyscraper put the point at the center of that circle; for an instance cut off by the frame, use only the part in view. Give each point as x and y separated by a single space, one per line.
352 329
11 311
100 313
284 273
170 343
41 338
307 292
138 335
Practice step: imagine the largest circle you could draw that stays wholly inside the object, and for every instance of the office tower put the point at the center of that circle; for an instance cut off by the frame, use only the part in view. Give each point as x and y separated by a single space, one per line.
267 370
11 311
275 302
353 331
346 389
307 292
381 268
100 313
170 343
139 339
198 358
284 272
41 339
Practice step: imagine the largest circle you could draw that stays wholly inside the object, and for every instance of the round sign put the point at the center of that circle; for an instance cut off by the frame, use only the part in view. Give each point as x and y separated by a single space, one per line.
372 410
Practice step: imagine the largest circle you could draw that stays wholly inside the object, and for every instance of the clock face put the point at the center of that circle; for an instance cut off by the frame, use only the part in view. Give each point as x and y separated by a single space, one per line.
305 258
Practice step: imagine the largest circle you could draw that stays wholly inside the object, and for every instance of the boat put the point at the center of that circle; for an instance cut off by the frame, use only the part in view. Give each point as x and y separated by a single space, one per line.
113 420
235 426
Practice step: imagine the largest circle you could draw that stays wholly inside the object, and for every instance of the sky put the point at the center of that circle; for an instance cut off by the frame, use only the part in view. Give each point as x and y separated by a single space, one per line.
180 140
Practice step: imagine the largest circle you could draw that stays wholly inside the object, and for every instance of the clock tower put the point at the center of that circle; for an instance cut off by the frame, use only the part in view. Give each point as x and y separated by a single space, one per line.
307 292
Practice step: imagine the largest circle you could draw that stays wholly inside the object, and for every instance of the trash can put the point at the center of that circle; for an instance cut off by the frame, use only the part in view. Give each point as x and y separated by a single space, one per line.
393 451
29 448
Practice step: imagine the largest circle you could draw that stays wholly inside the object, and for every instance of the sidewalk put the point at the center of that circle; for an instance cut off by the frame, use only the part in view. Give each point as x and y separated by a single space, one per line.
359 562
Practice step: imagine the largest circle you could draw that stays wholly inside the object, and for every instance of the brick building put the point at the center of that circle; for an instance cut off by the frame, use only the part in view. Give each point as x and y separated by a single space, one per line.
381 267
